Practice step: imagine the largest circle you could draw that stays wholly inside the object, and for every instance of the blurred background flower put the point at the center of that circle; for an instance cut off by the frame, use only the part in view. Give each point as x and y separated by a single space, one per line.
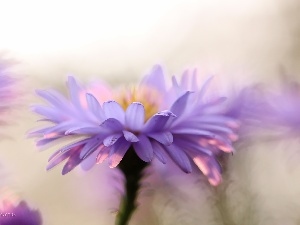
19 214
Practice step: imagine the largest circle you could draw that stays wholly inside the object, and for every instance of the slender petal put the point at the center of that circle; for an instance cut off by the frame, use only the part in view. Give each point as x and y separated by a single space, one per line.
143 148
179 157
130 136
135 116
113 110
165 138
180 104
95 107
117 152
158 121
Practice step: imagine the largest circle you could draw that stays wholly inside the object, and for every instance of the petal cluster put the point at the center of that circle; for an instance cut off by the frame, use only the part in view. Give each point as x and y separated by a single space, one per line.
188 127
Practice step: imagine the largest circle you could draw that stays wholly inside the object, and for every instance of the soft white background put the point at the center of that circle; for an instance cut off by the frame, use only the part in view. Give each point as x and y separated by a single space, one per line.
239 41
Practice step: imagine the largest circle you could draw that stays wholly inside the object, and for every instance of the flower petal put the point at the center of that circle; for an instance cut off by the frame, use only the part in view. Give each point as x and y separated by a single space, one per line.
73 161
113 110
155 79
89 147
204 87
193 131
58 156
74 91
143 148
165 138
117 152
54 98
209 167
130 136
103 153
94 106
158 121
112 125
180 104
68 147
159 152
110 140
179 157
135 116
89 162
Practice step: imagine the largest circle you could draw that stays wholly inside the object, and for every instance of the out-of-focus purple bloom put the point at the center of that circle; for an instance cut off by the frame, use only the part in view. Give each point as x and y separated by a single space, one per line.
251 107
19 215
179 121
276 109
8 93
285 105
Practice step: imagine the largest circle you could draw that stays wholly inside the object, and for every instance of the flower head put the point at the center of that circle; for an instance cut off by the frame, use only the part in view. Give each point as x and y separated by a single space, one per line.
177 122
19 215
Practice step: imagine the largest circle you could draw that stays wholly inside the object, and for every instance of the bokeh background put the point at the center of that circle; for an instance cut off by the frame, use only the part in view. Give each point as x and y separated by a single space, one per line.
240 42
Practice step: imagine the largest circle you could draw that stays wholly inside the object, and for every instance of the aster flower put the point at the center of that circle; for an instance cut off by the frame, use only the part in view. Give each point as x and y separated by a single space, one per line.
19 215
148 121
154 120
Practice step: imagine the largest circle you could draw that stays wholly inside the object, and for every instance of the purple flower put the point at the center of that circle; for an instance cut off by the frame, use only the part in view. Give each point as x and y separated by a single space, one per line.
8 93
19 215
177 122
270 108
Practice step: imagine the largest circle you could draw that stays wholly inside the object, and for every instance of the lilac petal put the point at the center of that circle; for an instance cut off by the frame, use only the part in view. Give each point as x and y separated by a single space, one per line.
158 121
210 168
192 131
216 119
216 128
58 158
113 110
110 140
68 147
53 97
118 151
204 87
73 161
179 157
43 142
175 83
194 80
89 147
94 106
180 104
112 124
193 145
103 153
165 138
63 127
130 136
50 113
89 162
159 152
184 79
37 132
85 130
135 116
74 91
155 79
143 148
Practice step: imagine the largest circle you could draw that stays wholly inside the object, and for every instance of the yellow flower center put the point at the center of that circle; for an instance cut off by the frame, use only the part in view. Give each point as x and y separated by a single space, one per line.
150 99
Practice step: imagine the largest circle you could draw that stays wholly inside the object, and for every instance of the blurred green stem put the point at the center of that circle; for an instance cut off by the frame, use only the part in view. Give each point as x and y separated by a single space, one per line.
132 167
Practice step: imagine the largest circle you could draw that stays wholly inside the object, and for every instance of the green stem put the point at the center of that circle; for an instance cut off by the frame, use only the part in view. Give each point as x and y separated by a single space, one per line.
132 167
